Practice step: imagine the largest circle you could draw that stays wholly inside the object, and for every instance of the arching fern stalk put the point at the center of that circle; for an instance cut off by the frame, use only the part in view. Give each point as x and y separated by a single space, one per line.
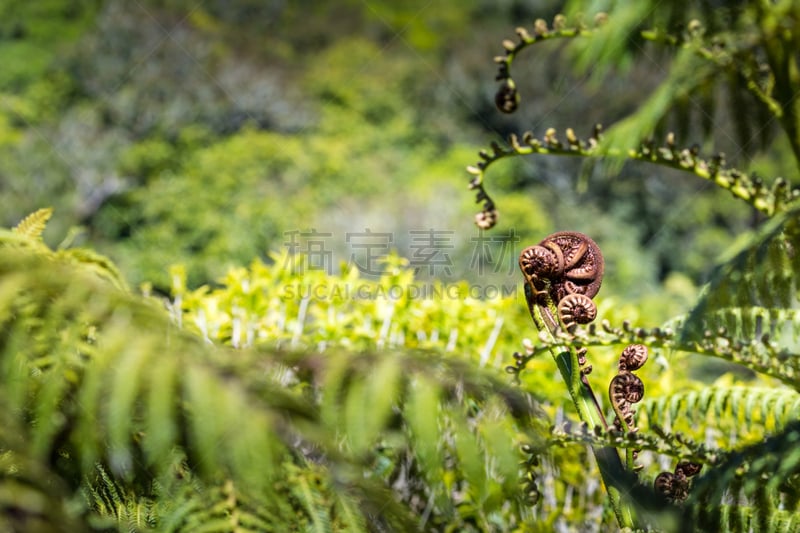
747 314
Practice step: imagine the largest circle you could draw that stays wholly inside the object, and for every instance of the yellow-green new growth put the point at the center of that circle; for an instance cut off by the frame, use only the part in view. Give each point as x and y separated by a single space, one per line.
34 224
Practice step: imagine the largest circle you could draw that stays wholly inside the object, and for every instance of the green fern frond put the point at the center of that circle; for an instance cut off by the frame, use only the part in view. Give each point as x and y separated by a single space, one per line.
12 239
34 224
743 407
97 263
778 325
27 235
120 505
748 518
110 379
753 295
32 497
757 474
728 55
430 404
772 353
708 57
229 509
687 75
187 505
92 403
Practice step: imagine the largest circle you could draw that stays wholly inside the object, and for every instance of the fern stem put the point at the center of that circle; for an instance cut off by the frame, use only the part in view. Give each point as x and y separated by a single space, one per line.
629 459
609 463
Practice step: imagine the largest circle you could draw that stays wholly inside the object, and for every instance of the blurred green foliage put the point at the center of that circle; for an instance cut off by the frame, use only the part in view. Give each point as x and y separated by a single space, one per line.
169 132
186 140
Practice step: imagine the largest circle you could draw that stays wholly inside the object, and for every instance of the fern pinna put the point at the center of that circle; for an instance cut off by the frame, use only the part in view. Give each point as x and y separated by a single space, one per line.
735 460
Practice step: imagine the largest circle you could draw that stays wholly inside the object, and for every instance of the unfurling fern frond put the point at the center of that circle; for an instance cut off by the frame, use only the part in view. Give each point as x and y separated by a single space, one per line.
769 199
707 57
751 69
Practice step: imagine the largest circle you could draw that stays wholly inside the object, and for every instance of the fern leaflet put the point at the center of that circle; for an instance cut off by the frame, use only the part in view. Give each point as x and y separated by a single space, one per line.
34 224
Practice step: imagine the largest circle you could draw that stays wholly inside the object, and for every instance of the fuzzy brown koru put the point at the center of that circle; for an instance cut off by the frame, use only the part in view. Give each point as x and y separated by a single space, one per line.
568 267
